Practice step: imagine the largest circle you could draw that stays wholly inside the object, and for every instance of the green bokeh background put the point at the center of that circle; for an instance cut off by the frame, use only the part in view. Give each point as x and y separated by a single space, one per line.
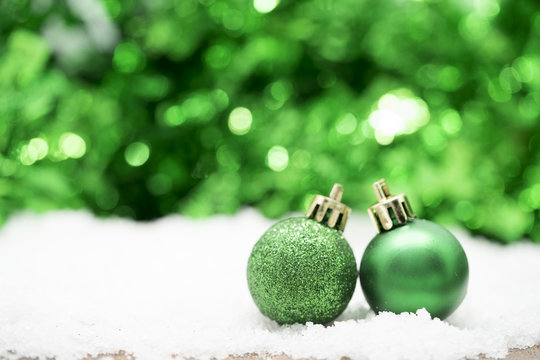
143 108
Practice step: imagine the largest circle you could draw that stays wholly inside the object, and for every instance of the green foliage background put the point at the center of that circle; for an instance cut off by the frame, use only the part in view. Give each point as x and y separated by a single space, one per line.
143 108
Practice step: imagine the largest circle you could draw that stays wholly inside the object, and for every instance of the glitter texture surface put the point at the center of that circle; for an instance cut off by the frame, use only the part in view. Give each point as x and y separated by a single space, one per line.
301 271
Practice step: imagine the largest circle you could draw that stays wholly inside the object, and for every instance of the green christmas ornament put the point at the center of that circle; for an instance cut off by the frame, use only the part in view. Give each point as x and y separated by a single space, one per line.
302 269
412 263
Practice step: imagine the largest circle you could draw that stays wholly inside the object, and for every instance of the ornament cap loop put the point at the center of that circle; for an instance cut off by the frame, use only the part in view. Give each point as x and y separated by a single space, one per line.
329 210
390 210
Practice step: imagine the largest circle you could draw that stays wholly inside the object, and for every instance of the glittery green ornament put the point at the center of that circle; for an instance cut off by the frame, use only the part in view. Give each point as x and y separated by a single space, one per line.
412 263
302 269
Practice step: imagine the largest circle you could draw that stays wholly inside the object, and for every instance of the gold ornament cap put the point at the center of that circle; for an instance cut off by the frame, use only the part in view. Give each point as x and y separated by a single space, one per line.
390 210
329 210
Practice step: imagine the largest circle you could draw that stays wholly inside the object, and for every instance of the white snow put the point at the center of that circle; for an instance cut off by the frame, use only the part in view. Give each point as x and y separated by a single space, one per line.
73 285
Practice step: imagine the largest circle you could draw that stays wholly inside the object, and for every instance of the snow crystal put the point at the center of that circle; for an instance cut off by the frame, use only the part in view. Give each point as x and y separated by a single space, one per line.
74 285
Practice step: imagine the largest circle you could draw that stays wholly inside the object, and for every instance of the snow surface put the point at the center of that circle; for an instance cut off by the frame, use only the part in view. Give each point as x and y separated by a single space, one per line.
74 285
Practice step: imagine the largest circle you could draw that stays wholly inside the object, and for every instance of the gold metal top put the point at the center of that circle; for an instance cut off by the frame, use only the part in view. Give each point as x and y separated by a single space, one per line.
390 210
322 205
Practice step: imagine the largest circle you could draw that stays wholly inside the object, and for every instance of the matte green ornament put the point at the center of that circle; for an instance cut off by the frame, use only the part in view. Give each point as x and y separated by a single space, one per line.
412 263
302 269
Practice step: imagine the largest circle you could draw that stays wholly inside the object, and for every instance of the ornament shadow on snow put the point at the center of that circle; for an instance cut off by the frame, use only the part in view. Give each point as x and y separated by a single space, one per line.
412 263
302 269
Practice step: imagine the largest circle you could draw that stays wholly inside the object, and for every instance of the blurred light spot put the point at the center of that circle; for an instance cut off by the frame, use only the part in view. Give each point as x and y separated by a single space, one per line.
476 222
449 78
7 167
38 107
72 145
27 52
107 199
347 124
275 206
509 80
431 197
128 58
218 56
383 139
498 93
277 158
527 68
326 79
137 153
337 41
113 7
397 113
529 106
27 155
451 121
151 86
301 29
534 196
220 98
434 138
159 184
174 116
227 158
524 200
486 8
301 159
357 138
199 107
428 74
41 147
185 8
240 121
367 129
265 6
474 27
531 175
277 93
125 211
281 90
233 19
536 24
464 210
